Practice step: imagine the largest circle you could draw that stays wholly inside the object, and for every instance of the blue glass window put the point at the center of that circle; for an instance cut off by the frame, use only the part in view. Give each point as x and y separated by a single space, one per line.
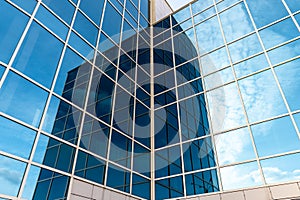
236 22
198 6
261 96
275 136
169 188
2 69
293 5
204 15
219 78
142 123
120 149
22 100
141 160
63 8
12 24
209 35
11 176
26 5
85 28
288 75
198 154
140 186
111 15
81 46
118 178
167 162
144 7
101 96
234 146
108 48
214 61
62 120
90 167
202 182
278 33
281 169
54 24
225 4
39 55
54 153
261 17
132 9
21 136
94 136
93 9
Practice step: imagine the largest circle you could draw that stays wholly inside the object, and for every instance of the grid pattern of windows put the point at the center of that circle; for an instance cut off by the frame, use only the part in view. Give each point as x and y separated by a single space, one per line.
205 101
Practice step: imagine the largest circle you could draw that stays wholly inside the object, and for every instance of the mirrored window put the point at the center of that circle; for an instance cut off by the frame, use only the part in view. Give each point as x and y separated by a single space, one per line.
225 108
39 55
168 162
297 120
240 176
142 124
293 5
219 78
141 160
198 6
144 7
251 65
81 46
63 8
12 24
21 136
209 35
112 15
22 100
236 22
140 186
261 96
214 61
222 4
118 178
11 176
201 182
234 146
28 6
169 188
93 9
278 33
54 153
261 17
198 154
244 48
288 75
2 69
52 22
275 136
120 149
45 184
279 169
90 167
62 120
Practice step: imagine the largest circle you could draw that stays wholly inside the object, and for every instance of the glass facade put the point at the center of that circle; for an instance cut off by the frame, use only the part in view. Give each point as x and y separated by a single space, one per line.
204 100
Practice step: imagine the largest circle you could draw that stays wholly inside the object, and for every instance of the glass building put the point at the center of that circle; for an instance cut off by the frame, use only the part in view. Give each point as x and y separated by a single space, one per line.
138 99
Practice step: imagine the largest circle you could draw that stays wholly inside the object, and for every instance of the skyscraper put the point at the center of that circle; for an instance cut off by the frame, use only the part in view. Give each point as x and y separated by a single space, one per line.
129 99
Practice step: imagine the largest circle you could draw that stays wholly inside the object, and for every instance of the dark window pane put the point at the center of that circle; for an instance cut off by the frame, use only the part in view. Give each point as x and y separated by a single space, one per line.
39 55
23 100
169 188
118 178
12 24
93 9
111 15
140 186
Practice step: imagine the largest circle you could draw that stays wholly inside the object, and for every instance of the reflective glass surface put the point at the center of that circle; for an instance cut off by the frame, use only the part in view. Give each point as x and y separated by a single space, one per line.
93 9
39 55
271 138
63 9
22 99
12 24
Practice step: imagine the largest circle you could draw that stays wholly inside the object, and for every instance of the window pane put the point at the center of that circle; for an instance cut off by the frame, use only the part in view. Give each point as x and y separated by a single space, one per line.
2 69
169 188
140 186
85 28
21 136
209 35
261 96
54 24
225 108
12 172
26 5
118 178
141 160
111 15
278 33
21 99
279 169
234 146
288 75
241 176
62 120
54 154
276 136
12 24
261 17
39 55
293 5
218 78
236 22
62 8
201 5
81 46
93 9
214 61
